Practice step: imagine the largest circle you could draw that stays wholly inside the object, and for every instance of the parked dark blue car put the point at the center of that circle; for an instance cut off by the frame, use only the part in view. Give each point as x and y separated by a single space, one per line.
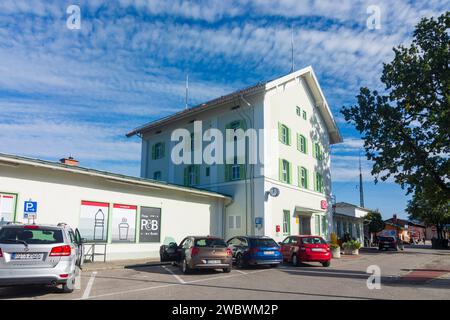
249 250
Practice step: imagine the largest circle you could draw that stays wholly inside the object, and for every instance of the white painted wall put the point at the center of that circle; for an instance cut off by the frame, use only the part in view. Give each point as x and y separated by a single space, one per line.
59 195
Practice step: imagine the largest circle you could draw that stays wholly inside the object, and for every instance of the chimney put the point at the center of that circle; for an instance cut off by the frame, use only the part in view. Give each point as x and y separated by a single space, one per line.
69 161
394 218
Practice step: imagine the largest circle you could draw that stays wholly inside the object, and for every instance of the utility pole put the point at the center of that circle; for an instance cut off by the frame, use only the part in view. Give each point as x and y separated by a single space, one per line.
361 191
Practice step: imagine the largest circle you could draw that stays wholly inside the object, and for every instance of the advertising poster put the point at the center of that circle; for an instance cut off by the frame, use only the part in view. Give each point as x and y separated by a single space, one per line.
150 225
124 223
93 224
7 203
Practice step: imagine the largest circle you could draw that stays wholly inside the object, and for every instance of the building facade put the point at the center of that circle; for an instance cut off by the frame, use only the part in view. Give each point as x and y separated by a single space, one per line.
288 189
349 219
125 217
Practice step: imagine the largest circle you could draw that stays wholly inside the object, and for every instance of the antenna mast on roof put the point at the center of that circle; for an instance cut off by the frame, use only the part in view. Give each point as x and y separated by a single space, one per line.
292 48
187 90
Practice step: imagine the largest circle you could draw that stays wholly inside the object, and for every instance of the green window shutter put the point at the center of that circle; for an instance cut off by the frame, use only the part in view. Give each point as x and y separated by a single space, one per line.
315 182
163 147
299 175
306 146
241 171
197 174
290 172
227 172
299 142
186 176
153 151
280 169
288 136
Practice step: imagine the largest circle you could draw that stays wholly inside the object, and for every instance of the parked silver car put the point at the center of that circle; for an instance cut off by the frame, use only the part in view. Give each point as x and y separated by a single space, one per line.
40 254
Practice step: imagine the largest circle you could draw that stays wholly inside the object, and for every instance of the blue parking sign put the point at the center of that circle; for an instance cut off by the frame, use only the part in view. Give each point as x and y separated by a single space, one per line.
29 208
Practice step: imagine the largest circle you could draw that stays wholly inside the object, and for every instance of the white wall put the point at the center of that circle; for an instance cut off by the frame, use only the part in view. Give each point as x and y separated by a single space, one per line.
59 195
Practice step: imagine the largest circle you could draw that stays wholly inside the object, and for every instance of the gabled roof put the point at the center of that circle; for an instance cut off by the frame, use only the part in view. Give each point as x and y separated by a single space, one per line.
15 161
347 205
307 74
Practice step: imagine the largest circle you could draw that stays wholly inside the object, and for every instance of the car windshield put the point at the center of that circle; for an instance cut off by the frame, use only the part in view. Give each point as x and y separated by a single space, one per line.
313 240
210 242
30 236
264 243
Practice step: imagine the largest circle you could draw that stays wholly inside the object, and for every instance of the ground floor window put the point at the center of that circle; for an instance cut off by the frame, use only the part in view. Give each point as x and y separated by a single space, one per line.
7 208
286 222
234 222
324 226
317 225
358 230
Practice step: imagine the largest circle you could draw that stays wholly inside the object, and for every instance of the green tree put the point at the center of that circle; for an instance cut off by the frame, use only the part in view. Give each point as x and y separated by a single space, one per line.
376 223
406 129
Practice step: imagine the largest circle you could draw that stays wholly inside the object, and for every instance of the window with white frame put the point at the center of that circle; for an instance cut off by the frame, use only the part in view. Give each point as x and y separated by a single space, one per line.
234 222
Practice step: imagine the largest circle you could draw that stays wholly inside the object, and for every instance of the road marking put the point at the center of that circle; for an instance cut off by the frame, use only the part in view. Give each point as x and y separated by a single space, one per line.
87 291
170 285
242 272
175 275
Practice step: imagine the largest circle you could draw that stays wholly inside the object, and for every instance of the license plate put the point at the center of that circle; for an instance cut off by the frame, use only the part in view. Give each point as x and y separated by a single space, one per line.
213 261
317 250
27 256
269 252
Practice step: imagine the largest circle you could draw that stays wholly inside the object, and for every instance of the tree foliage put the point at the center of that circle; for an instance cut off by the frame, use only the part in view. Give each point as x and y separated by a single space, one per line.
406 129
376 223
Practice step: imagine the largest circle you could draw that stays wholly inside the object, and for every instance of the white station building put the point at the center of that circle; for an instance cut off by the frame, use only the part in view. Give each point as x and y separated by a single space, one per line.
296 130
286 192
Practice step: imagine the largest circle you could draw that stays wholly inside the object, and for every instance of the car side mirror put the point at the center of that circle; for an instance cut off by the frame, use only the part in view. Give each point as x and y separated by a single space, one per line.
280 243
173 245
83 240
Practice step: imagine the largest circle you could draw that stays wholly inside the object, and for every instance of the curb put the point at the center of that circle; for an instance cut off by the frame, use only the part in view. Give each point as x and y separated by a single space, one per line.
113 266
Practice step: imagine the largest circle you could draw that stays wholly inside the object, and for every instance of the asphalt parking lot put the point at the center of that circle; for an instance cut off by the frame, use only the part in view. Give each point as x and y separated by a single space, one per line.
416 273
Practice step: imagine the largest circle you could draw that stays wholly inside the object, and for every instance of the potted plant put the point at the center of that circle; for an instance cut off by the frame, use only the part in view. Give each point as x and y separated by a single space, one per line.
335 247
335 250
351 247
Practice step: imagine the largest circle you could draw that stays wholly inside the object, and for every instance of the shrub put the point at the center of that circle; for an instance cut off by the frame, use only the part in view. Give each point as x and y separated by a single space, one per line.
334 246
352 245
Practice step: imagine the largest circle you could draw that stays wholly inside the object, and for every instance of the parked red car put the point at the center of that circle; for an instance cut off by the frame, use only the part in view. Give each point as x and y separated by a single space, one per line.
297 249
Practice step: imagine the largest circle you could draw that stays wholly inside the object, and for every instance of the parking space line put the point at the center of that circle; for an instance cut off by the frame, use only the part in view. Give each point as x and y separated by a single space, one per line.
242 272
175 275
87 291
172 285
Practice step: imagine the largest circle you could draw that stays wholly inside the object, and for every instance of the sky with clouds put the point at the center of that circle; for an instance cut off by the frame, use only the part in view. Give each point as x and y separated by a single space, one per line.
77 92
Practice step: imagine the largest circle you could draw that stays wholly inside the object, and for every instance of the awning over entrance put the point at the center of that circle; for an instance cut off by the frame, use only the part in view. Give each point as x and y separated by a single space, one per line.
303 211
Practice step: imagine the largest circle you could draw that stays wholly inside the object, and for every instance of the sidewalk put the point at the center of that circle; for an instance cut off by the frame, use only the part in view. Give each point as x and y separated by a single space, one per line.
121 264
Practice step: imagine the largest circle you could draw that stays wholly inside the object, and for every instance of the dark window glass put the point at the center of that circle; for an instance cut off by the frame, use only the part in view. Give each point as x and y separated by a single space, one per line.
313 240
31 236
263 243
210 242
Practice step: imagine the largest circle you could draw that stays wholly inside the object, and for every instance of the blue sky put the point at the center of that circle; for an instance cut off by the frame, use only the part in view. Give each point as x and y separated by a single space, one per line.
78 92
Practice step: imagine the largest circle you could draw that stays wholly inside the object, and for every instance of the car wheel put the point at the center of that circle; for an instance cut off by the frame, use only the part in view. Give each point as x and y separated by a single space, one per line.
227 270
69 286
295 261
326 264
240 261
185 267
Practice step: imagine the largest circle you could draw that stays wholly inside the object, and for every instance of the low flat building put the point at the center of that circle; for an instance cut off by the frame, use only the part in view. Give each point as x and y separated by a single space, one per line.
126 216
349 218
